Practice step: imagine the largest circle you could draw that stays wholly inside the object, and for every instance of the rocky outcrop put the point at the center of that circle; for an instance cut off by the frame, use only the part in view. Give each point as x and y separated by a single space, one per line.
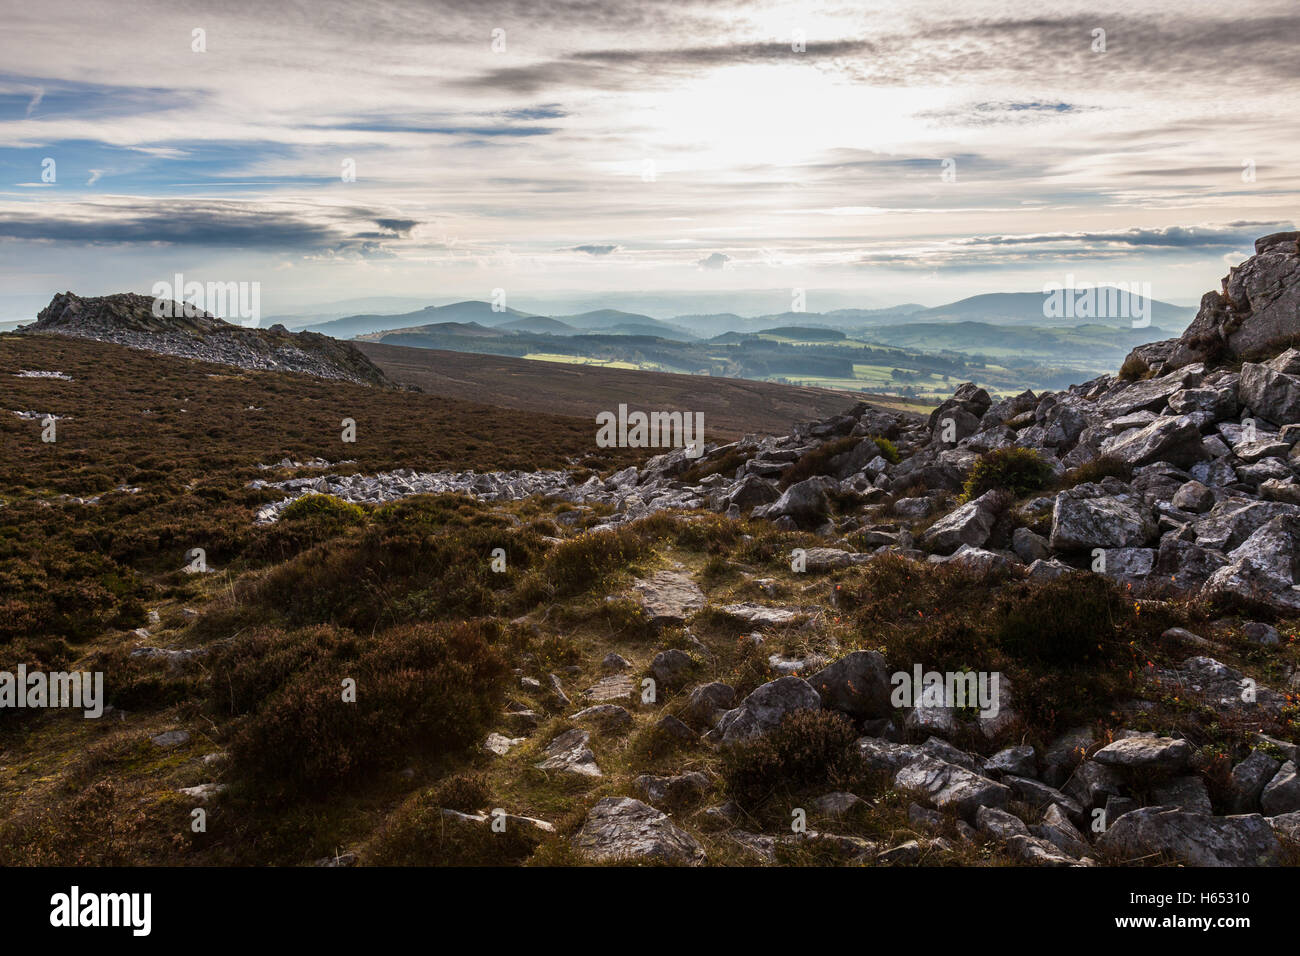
1254 312
129 319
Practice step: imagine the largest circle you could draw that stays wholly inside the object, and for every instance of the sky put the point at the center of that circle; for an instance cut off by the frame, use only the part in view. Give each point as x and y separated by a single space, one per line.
877 153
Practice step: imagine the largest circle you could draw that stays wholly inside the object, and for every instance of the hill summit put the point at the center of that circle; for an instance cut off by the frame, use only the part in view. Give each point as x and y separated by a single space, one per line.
131 319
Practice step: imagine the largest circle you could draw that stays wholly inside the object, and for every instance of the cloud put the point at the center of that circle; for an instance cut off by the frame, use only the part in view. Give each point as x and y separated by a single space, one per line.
623 69
715 260
596 250
1206 236
398 227
206 224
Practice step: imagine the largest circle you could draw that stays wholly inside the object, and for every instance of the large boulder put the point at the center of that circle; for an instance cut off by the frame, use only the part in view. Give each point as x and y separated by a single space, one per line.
1146 753
569 754
1264 566
1174 440
1196 839
750 492
1150 394
856 684
970 524
623 830
1282 793
946 786
763 710
804 502
1270 394
669 597
1082 523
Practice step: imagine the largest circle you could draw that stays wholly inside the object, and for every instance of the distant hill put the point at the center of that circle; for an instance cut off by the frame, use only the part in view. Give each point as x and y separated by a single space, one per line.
435 330
471 311
540 324
616 322
803 333
1026 308
1093 341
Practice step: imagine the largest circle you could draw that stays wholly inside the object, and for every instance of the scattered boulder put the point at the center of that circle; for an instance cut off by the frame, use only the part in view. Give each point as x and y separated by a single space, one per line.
669 597
623 830
763 710
569 754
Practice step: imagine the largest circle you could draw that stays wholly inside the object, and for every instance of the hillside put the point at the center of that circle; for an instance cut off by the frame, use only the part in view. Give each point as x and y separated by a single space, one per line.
731 407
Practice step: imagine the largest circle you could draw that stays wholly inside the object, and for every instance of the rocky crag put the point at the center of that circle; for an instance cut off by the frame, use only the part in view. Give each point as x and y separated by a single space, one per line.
129 319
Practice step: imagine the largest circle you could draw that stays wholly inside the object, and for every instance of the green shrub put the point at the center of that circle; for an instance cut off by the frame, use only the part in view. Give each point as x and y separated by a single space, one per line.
1017 470
887 449
389 575
1134 369
324 510
1096 470
809 749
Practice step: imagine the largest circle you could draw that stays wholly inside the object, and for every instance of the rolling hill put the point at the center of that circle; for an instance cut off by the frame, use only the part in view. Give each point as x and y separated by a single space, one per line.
731 407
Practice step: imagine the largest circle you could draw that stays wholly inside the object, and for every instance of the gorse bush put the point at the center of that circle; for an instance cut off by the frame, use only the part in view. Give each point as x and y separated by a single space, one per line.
808 749
325 510
887 449
430 689
305 523
1019 471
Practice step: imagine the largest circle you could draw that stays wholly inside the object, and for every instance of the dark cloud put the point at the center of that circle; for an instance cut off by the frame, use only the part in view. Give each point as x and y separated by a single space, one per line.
208 224
621 69
714 260
548 111
398 227
1215 236
596 250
